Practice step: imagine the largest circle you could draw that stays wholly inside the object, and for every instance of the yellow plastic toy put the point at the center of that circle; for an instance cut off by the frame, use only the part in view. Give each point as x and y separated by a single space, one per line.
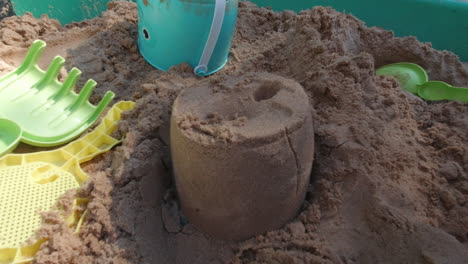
31 183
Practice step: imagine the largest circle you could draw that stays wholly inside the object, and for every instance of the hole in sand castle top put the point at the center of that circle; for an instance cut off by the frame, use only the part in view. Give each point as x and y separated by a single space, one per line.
266 91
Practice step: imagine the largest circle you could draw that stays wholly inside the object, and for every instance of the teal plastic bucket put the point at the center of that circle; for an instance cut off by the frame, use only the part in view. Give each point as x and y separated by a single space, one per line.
172 32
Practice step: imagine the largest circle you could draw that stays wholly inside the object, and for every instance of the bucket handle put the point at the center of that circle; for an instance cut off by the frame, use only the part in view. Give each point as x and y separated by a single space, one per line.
215 31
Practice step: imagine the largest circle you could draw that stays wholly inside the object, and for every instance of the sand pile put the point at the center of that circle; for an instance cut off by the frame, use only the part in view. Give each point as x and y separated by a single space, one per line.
390 176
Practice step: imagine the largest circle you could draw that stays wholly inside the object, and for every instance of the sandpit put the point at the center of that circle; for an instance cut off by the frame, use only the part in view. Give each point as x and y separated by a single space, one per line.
389 182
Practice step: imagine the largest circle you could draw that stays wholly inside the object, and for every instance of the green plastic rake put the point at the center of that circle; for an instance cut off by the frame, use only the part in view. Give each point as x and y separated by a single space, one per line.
48 112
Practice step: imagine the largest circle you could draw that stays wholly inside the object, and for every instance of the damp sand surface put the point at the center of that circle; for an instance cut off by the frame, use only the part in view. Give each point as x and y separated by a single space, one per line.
390 176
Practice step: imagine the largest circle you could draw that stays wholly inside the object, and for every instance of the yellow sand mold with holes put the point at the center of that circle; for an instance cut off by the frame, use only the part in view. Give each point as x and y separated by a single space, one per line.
31 183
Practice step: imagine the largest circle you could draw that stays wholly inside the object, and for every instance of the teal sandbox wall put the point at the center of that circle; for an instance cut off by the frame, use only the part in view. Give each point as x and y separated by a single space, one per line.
442 22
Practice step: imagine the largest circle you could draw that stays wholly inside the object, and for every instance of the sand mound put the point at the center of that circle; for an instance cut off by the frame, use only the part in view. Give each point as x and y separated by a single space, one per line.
389 182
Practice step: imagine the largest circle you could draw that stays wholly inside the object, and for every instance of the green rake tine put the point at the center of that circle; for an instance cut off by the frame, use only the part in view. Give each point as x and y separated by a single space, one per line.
52 72
32 56
84 95
29 62
49 76
68 85
103 103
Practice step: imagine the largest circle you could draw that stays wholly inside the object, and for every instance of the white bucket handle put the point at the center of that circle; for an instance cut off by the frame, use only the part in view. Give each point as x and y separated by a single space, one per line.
215 31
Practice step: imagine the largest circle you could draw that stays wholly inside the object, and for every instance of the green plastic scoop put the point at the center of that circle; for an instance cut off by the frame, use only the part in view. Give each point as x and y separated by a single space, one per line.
10 135
414 78
48 111
409 75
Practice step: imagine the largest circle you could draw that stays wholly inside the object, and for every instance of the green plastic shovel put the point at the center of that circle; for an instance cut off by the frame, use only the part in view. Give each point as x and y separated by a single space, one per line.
414 78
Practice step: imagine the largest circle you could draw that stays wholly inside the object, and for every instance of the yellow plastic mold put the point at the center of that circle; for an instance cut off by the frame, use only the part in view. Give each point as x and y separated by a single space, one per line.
31 183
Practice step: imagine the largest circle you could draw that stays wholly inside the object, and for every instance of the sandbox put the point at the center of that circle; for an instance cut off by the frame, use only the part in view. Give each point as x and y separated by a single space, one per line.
389 179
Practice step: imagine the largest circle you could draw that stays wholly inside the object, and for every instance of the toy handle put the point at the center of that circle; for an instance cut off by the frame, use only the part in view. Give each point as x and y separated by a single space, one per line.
215 31
460 93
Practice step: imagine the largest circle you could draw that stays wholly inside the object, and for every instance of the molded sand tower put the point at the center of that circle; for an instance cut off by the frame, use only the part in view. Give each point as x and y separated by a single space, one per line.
242 154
